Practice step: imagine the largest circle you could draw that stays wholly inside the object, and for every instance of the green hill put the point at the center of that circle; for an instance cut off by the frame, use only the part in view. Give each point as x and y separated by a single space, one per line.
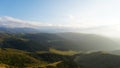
64 41
67 50
13 58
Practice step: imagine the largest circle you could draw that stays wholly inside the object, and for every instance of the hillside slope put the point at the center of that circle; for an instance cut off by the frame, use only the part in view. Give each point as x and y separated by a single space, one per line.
65 41
13 58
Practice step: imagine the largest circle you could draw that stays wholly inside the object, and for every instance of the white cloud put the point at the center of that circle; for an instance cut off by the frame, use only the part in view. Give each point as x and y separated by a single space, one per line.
108 29
11 22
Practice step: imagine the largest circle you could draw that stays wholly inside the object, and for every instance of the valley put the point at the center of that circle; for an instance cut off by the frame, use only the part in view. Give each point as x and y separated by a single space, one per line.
53 50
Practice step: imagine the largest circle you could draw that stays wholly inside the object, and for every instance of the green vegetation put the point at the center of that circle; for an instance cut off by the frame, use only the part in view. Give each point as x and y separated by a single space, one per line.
20 59
70 53
67 42
13 58
43 50
16 58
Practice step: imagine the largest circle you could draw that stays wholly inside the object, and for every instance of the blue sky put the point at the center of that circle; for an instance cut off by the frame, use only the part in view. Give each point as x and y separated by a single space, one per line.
93 16
41 10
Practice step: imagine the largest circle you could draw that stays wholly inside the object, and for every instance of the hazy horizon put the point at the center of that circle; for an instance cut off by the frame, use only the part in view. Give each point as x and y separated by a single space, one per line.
87 16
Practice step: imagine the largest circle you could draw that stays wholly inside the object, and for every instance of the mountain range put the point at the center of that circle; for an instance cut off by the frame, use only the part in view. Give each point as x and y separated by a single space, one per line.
31 47
62 41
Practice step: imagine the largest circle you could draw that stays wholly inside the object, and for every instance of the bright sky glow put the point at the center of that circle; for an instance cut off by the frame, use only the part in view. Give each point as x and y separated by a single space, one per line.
91 16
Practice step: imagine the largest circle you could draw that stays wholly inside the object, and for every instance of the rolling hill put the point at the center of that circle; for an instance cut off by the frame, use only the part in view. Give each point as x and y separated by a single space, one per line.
13 58
63 41
56 50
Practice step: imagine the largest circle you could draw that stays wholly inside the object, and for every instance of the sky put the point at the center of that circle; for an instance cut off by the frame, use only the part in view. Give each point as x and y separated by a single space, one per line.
90 16
40 10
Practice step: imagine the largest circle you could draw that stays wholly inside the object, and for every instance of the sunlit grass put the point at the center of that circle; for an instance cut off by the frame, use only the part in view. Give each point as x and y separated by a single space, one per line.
70 52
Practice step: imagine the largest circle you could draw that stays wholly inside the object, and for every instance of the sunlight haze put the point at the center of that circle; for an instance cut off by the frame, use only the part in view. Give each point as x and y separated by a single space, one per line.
89 16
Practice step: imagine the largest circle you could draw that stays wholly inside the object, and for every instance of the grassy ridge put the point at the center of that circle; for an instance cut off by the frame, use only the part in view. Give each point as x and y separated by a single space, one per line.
20 59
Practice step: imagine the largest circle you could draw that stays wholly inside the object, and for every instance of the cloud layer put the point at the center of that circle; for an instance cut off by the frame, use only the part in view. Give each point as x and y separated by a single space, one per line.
107 29
11 22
